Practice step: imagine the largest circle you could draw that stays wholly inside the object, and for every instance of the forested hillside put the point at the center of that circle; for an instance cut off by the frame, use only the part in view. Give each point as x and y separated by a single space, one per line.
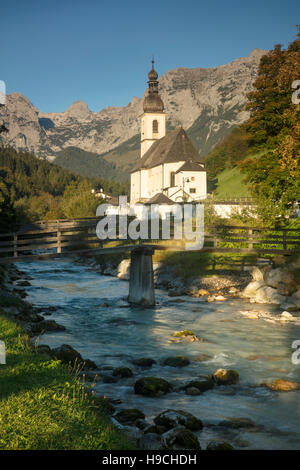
266 148
32 189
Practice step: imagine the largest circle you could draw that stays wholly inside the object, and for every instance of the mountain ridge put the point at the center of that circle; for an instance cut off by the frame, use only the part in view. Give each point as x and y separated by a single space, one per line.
207 102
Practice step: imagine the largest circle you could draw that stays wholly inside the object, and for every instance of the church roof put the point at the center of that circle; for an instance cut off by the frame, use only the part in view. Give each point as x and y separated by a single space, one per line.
191 166
174 147
160 198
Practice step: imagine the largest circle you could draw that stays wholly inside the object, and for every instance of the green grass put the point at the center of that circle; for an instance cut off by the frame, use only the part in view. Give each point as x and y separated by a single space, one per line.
44 406
230 184
230 181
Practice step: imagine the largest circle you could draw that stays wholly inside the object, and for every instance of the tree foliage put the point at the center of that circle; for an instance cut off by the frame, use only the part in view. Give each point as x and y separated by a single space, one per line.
275 124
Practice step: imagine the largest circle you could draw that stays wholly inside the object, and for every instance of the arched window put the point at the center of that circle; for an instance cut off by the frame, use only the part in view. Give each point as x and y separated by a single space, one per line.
155 126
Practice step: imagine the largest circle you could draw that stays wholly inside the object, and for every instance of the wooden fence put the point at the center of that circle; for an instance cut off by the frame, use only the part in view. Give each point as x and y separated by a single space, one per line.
65 236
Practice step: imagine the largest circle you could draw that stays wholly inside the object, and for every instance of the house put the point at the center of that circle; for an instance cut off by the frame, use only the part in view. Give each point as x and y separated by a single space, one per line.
170 168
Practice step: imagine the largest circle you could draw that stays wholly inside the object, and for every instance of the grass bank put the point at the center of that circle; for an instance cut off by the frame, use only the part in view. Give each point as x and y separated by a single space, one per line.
44 406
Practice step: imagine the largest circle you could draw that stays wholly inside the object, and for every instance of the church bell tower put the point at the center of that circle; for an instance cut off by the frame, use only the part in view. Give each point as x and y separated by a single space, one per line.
153 119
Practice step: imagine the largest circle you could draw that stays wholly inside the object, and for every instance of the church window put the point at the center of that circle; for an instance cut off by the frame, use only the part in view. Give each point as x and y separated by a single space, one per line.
155 126
192 190
172 179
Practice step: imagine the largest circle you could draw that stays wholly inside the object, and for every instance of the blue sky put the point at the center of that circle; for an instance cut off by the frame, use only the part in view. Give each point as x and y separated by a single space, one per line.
100 51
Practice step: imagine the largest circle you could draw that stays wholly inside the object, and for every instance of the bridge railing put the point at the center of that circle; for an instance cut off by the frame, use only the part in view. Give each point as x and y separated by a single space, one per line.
65 236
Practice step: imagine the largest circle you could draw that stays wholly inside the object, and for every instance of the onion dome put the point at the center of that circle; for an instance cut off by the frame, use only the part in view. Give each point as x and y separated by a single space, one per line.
153 102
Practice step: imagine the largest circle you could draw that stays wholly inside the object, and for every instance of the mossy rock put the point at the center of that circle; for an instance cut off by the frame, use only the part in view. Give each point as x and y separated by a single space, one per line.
153 429
184 333
122 372
226 377
174 418
67 354
88 364
176 361
130 416
46 325
201 385
151 387
219 446
180 438
144 362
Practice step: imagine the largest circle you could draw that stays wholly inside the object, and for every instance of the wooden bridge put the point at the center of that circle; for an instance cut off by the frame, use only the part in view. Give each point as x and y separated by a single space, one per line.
65 237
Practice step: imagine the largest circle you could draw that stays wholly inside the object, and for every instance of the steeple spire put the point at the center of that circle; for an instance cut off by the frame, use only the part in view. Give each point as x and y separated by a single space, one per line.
153 102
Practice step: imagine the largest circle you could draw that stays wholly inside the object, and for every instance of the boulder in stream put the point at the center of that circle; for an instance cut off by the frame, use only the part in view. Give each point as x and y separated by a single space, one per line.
180 438
122 372
201 384
144 362
173 418
130 416
176 361
151 387
226 377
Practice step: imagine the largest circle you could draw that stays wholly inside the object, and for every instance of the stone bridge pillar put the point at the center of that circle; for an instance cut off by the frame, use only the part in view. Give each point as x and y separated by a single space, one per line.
141 284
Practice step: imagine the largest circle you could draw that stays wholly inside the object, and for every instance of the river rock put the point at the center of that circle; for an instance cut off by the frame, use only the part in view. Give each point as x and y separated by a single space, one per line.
67 354
180 438
219 446
88 364
295 298
202 385
176 361
150 441
192 391
46 325
144 362
130 416
187 336
124 270
173 418
155 429
122 372
23 283
241 423
43 349
282 385
151 387
226 377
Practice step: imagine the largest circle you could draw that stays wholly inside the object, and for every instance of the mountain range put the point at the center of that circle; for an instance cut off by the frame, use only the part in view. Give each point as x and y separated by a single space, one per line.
206 102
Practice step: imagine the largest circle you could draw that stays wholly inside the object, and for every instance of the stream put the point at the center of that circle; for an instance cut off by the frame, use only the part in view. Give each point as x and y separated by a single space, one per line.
113 336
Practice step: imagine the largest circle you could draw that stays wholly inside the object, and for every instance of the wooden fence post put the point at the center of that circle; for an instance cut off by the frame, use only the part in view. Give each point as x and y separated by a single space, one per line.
15 245
58 241
284 239
250 245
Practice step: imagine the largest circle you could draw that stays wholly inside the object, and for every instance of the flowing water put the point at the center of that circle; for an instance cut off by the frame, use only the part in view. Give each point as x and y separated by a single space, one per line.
113 336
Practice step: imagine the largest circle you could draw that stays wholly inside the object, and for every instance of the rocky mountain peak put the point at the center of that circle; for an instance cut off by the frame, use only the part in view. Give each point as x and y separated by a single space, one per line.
78 110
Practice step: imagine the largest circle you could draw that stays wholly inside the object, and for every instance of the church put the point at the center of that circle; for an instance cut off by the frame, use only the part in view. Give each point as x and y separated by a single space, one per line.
169 169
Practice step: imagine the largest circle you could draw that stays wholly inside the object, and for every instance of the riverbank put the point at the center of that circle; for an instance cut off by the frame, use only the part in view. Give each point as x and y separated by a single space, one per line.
44 404
213 276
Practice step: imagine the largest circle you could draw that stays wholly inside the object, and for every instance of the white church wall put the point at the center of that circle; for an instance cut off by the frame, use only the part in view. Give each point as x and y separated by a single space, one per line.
135 186
227 210
193 180
147 134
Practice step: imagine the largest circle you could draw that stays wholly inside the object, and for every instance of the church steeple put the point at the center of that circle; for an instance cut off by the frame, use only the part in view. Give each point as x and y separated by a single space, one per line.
153 102
154 118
